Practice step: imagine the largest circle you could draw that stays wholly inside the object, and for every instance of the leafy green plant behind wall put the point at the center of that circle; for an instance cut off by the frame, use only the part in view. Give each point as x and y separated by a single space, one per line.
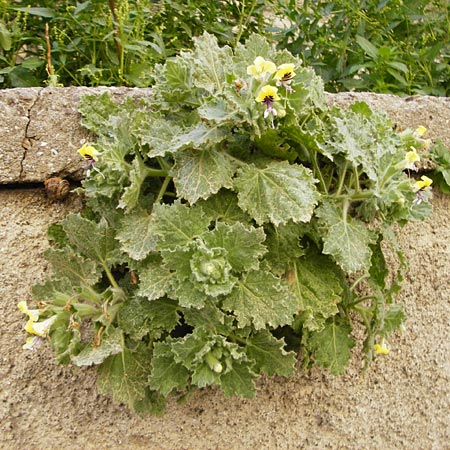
380 46
114 42
234 223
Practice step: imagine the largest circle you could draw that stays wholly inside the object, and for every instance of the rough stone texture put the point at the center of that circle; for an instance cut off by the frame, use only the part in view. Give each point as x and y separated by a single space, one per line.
43 132
400 403
40 130
15 106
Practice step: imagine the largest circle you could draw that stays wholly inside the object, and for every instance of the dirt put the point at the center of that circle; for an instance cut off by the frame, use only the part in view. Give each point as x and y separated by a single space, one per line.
401 402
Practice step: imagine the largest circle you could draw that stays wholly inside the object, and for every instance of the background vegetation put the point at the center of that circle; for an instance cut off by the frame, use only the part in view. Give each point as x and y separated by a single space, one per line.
370 45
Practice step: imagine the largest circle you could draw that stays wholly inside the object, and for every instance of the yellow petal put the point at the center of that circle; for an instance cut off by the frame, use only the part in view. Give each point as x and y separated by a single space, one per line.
33 314
423 183
40 328
260 67
421 130
88 151
381 349
285 72
412 156
268 91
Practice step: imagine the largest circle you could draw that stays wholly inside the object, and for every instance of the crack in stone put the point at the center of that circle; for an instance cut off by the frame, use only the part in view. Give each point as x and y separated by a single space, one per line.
26 143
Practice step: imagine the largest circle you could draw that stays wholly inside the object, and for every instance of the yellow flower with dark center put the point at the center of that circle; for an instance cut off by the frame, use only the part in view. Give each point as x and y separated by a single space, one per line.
423 183
268 93
89 152
285 73
261 67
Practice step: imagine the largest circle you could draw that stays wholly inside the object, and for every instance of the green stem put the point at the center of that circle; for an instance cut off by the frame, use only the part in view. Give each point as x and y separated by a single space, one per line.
342 179
156 172
360 300
363 313
110 276
362 277
356 174
163 189
317 172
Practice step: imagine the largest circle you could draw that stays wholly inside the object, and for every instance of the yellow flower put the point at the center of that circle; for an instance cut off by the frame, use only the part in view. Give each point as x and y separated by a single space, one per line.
33 314
89 152
285 73
40 328
420 131
261 67
268 93
412 156
423 183
381 349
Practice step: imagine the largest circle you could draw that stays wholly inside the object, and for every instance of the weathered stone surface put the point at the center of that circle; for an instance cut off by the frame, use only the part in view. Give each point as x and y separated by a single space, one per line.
15 106
55 132
40 128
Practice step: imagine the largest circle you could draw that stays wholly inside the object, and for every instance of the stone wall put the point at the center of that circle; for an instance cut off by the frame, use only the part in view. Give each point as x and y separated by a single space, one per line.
40 128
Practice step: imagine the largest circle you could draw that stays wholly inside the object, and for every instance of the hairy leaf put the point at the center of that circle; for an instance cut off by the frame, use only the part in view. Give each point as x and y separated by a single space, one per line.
78 270
111 344
277 193
167 374
223 207
91 239
260 299
155 280
331 347
269 355
211 63
136 235
178 224
317 283
201 173
243 245
346 239
125 375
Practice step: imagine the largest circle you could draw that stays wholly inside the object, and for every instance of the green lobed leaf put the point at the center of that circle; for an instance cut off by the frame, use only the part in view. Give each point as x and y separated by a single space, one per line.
211 63
138 174
155 280
201 173
331 347
210 318
178 224
70 265
283 244
347 240
269 355
125 375
277 193
239 381
244 245
223 207
167 374
138 317
93 240
111 344
260 299
136 235
317 284
96 111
